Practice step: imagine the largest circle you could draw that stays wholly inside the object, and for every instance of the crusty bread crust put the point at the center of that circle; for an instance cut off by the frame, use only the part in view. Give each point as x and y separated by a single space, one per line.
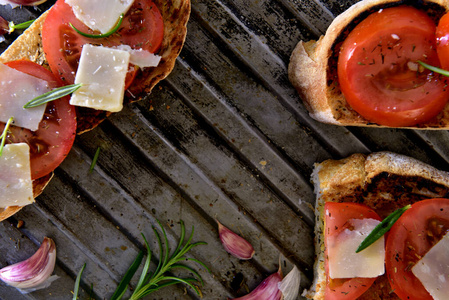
372 180
309 72
27 45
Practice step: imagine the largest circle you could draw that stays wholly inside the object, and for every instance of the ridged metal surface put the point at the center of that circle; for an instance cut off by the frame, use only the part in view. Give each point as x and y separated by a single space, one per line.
224 137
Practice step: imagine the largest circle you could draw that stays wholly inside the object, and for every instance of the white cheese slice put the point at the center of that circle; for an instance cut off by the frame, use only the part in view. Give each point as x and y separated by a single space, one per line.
16 89
344 262
16 185
140 57
102 72
101 15
433 270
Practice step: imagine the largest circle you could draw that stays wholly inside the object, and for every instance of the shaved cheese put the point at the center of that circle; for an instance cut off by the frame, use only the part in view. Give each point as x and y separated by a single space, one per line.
16 89
140 57
433 269
102 72
344 262
16 185
101 15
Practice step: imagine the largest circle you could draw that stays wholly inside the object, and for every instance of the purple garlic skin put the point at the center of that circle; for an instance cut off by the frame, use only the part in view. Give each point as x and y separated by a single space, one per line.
235 244
267 289
35 270
27 2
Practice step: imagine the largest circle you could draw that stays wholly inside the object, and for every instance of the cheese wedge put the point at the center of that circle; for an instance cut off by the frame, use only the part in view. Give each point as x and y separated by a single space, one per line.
16 89
15 176
101 15
433 270
102 72
344 262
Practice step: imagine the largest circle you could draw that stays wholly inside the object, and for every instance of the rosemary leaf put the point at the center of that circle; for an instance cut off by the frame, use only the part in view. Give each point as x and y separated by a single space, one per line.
102 35
53 95
179 266
19 26
170 280
146 267
77 283
382 228
94 160
4 135
123 285
434 69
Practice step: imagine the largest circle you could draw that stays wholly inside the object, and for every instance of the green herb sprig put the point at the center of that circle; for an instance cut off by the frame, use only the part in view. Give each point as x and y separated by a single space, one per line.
52 95
94 160
150 282
101 35
434 69
382 228
77 283
19 26
4 134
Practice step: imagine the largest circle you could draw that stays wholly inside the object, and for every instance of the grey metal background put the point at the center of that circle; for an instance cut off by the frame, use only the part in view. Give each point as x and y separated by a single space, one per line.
224 137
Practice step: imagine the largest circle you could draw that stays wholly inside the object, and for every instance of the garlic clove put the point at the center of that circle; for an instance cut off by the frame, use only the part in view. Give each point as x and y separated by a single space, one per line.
289 286
267 289
33 272
235 244
15 3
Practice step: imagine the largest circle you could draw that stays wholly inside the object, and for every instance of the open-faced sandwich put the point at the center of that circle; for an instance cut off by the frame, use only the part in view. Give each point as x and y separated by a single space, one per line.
375 66
356 194
108 52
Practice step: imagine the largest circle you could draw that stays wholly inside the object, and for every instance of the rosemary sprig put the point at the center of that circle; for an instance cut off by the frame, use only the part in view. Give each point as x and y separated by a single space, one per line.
150 282
101 35
52 95
4 134
434 69
382 228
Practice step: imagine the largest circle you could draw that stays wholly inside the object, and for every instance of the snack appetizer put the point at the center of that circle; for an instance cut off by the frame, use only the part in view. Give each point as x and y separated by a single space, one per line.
353 196
106 59
367 70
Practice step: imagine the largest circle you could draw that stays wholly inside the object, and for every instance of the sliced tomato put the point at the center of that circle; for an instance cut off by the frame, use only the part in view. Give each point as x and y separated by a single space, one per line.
378 68
142 28
442 36
51 143
416 231
336 220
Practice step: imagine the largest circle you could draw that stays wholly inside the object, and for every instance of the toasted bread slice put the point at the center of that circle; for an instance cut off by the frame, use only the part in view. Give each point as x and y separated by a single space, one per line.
313 67
384 181
175 15
29 46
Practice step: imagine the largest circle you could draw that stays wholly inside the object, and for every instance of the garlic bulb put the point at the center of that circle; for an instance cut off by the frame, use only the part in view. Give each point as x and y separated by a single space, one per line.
235 244
33 272
267 290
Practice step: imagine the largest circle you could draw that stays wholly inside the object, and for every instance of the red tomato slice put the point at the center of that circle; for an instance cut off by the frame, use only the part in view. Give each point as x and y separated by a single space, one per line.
142 28
416 231
442 35
51 143
378 71
336 217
